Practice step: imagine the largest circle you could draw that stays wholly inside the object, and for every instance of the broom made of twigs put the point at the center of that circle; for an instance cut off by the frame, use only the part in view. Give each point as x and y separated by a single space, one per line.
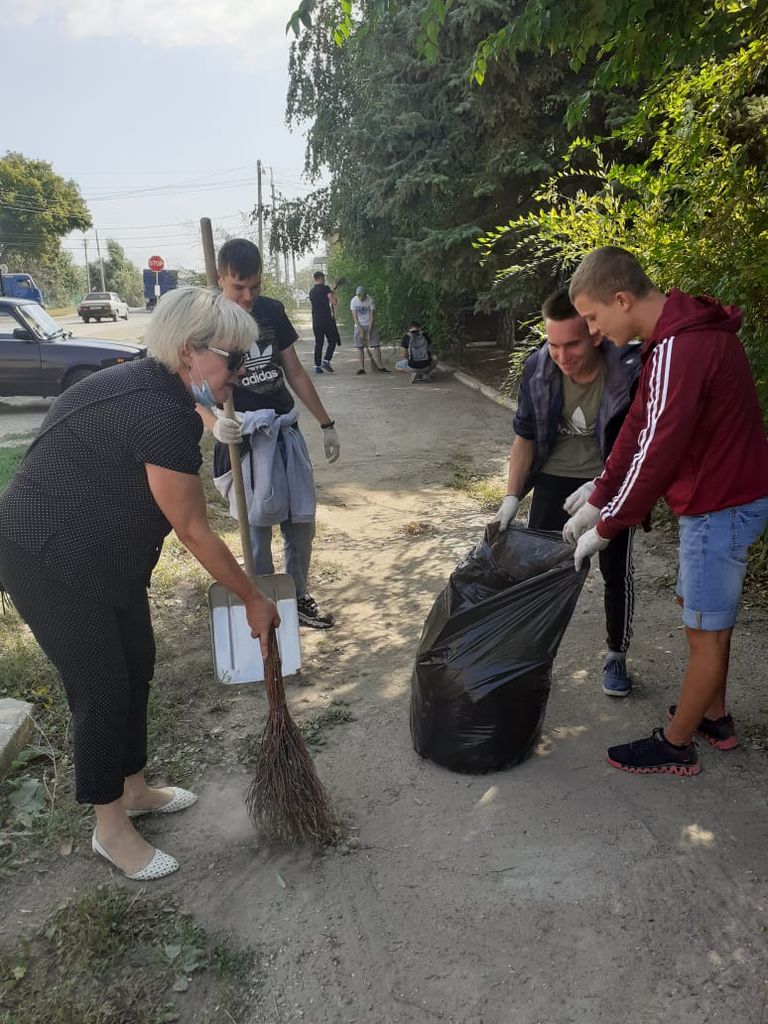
285 798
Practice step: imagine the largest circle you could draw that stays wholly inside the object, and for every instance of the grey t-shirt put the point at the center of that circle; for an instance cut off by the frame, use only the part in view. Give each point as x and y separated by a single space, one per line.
575 452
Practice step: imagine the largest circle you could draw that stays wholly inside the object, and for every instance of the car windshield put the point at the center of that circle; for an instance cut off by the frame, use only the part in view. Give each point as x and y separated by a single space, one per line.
42 321
97 297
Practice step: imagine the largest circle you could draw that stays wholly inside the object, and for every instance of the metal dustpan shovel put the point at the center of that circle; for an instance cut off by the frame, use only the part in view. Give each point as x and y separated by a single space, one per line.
236 655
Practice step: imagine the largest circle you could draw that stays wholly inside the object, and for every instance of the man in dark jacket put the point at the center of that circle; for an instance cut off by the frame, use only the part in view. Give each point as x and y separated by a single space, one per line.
572 400
695 435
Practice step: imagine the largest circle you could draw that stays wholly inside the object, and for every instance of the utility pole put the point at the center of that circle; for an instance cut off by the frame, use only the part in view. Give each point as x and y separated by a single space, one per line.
285 264
293 258
274 211
101 265
87 264
206 231
260 211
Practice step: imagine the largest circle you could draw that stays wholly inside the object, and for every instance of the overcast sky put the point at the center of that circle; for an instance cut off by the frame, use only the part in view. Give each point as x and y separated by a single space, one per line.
159 110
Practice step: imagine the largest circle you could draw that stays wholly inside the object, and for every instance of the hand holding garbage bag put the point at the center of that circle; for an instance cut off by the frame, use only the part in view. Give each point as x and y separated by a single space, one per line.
589 544
483 669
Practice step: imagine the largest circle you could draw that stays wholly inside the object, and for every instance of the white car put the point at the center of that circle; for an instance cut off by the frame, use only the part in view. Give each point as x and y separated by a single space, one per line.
98 305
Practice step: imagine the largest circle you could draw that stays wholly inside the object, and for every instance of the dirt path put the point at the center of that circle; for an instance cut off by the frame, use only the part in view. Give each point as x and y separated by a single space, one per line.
560 892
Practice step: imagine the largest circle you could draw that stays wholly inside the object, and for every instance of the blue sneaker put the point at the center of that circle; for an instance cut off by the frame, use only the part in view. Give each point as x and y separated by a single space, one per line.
318 369
327 366
616 682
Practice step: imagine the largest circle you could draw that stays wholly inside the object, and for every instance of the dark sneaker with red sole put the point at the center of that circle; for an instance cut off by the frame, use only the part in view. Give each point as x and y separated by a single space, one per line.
654 756
719 733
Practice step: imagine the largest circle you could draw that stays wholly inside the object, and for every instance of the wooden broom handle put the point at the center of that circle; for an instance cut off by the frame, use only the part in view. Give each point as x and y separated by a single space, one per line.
209 253
237 483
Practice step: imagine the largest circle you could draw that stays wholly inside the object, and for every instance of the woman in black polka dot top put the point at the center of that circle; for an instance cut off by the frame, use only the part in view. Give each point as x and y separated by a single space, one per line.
113 470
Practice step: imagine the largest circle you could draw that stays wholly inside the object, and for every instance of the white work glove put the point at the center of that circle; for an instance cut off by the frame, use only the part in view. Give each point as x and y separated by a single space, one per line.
587 517
589 544
507 511
226 430
579 497
331 443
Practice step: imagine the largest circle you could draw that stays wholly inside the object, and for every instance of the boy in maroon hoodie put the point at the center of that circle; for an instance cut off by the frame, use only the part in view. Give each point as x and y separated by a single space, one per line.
695 435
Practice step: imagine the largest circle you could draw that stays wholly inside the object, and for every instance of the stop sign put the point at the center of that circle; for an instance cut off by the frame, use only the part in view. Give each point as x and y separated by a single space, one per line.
156 263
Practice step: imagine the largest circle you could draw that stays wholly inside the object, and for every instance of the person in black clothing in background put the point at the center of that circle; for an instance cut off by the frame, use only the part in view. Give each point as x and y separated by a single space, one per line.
323 302
417 353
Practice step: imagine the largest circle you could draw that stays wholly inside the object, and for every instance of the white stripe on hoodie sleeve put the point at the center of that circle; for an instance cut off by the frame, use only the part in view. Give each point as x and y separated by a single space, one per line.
657 401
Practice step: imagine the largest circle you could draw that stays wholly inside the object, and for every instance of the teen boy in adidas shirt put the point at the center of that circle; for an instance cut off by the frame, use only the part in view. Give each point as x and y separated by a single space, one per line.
270 366
694 434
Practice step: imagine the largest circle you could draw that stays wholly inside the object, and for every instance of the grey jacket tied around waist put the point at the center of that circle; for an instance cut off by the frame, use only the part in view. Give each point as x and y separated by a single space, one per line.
540 400
277 472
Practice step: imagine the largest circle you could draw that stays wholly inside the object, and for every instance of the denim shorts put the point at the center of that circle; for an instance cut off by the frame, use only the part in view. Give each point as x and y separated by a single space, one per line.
713 562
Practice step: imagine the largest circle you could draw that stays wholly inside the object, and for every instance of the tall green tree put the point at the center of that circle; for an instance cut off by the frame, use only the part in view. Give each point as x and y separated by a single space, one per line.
419 163
37 209
120 275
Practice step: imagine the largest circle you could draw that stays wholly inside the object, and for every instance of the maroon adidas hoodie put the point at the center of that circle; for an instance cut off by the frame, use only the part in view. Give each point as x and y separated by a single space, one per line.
694 432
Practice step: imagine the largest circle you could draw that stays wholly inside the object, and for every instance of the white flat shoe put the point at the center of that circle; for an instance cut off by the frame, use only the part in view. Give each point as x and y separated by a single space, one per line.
160 865
181 799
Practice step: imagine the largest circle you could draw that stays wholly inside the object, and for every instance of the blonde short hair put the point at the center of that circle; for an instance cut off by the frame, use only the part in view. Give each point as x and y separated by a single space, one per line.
197 317
606 271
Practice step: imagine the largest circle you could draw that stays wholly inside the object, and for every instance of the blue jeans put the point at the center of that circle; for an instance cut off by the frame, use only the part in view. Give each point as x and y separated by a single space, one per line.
713 562
297 538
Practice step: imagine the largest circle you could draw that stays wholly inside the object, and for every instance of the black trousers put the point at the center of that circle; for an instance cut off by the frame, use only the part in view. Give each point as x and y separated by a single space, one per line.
616 565
322 331
106 658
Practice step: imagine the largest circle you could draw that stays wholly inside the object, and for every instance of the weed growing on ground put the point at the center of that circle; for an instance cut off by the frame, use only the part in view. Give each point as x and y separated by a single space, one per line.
418 528
327 572
112 956
312 730
488 492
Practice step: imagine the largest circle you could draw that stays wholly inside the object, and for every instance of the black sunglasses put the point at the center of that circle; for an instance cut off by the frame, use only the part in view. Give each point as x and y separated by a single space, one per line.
234 359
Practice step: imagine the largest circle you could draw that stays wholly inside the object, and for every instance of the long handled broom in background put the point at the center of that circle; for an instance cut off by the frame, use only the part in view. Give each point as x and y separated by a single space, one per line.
285 798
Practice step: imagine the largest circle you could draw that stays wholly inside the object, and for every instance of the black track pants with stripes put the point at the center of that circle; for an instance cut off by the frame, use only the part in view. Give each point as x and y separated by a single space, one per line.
616 564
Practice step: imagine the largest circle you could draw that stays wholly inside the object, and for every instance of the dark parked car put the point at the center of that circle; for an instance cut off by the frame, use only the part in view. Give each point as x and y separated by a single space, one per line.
38 357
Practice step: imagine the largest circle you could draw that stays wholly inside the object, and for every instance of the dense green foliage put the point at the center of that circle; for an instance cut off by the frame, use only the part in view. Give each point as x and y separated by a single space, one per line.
420 164
471 117
37 209
120 275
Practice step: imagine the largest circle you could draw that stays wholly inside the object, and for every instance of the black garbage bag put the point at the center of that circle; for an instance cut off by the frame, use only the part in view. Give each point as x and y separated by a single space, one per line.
483 670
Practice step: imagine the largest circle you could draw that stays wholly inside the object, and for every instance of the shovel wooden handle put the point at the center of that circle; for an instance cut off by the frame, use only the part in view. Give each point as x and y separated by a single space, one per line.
237 483
206 232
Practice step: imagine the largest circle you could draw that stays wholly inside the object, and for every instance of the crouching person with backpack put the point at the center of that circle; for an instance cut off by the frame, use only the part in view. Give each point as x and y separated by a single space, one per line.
417 353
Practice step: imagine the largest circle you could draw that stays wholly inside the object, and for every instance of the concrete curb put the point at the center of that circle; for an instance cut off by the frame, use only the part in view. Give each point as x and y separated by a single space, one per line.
484 389
15 730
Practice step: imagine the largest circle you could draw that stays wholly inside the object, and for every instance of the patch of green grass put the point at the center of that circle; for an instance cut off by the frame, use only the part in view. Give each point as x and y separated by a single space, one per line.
10 460
111 956
488 492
